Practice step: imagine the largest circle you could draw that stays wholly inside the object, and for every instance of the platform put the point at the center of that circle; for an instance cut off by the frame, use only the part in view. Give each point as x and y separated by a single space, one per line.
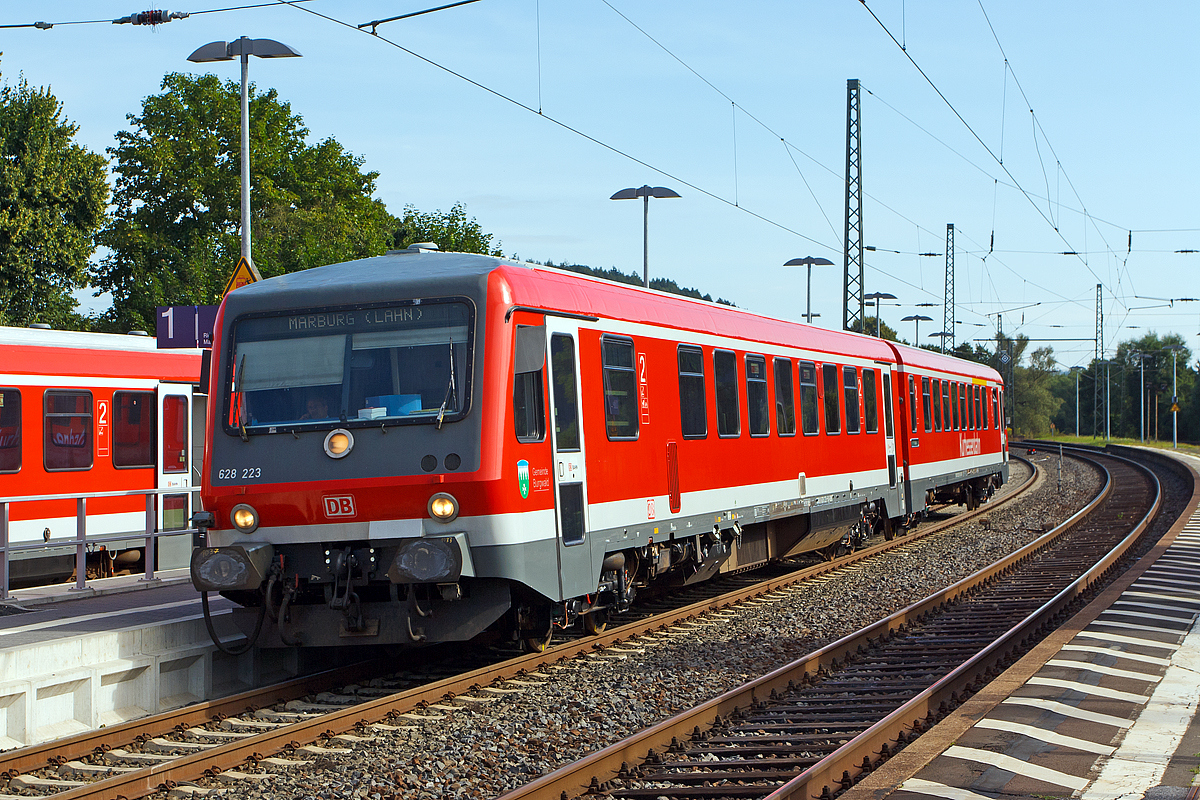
121 648
1104 708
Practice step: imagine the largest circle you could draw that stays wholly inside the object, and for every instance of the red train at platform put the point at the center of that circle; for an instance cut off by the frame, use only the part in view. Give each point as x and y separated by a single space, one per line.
424 447
89 413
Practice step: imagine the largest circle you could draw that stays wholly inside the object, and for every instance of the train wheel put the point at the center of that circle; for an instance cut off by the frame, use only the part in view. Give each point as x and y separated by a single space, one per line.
538 643
888 528
595 622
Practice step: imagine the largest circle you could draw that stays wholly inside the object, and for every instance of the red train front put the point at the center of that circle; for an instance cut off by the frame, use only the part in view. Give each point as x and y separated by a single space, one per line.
424 446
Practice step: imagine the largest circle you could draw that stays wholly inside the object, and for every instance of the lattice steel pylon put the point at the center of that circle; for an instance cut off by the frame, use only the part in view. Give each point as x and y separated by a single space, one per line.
852 277
948 303
1099 400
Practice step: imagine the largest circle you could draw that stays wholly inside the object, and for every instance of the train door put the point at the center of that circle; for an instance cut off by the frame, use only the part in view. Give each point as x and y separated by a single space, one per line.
174 470
889 430
575 575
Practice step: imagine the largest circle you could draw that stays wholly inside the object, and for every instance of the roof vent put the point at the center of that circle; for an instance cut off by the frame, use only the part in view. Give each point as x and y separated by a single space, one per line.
419 247
42 326
137 333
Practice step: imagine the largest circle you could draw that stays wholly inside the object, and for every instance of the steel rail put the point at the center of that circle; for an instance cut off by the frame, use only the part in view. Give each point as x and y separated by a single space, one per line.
833 771
226 756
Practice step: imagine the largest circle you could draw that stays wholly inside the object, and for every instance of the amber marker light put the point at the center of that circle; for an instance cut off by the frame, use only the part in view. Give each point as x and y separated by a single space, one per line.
339 443
443 507
244 518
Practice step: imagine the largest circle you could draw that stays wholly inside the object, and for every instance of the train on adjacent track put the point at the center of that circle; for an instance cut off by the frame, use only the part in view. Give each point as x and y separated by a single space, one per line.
85 414
426 447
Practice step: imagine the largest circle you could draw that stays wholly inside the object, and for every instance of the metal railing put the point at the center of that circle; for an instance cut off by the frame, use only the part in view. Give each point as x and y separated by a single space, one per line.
81 541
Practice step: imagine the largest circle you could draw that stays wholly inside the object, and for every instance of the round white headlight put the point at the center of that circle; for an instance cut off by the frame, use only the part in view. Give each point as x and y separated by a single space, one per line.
244 518
339 443
443 507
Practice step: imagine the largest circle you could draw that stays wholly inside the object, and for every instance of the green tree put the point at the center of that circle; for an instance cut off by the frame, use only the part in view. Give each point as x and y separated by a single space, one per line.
53 196
1146 363
885 331
174 236
1035 403
449 230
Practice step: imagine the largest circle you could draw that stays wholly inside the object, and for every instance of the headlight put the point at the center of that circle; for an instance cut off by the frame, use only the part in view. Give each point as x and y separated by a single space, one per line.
219 569
427 561
244 518
443 507
339 443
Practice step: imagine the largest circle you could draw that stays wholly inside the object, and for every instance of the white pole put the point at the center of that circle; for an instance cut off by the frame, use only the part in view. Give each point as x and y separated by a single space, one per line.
245 44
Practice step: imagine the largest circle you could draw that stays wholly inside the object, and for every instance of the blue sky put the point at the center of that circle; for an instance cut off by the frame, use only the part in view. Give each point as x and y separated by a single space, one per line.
741 109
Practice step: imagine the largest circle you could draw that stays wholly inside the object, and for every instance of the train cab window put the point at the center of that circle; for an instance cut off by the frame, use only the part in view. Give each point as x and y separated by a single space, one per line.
808 398
68 430
133 429
693 407
563 383
912 404
833 416
937 404
870 401
758 413
10 430
785 401
729 421
850 389
926 404
620 388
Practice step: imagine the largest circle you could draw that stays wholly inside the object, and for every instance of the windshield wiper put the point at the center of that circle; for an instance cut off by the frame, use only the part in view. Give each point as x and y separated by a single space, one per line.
451 390
240 380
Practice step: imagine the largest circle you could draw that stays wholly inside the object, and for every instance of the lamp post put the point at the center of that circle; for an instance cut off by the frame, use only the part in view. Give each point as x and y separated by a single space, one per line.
1142 367
1077 370
808 261
1174 348
916 320
941 335
646 192
876 297
226 51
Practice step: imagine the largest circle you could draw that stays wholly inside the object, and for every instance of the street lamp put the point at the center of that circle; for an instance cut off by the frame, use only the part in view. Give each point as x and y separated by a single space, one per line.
876 297
942 335
1142 365
226 51
1174 348
916 320
646 192
808 261
1077 370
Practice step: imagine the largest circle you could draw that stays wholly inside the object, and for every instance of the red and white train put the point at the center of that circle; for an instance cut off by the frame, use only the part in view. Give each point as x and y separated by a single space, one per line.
85 413
424 446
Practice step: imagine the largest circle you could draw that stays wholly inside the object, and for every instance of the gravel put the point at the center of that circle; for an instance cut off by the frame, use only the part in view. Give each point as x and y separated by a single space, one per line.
481 750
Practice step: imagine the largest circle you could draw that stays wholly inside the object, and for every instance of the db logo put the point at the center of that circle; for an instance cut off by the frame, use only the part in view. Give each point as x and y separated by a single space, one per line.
339 506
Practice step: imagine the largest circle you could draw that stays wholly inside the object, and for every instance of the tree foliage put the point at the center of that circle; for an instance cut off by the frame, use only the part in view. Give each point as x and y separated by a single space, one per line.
175 232
449 230
53 196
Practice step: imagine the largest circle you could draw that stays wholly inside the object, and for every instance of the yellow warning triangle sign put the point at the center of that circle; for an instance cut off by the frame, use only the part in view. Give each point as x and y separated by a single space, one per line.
244 273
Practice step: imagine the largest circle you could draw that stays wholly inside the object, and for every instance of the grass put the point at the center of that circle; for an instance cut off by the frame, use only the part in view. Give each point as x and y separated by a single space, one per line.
1184 447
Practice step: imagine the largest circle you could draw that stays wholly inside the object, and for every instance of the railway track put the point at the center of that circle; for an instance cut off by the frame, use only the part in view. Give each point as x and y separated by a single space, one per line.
218 738
813 728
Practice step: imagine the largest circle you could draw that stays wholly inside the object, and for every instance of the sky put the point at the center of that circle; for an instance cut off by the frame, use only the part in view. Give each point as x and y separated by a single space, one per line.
1036 129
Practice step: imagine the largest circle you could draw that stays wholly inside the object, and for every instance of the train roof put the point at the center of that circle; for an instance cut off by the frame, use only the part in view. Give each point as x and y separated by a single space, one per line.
38 351
418 272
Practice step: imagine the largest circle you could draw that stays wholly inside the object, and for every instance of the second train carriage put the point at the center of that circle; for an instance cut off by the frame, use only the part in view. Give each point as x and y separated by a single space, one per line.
423 446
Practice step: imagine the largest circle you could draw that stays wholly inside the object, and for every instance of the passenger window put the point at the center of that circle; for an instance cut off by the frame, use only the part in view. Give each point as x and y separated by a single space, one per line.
870 401
10 430
946 422
620 389
983 408
954 404
829 376
693 407
995 407
962 404
912 404
926 405
887 404
937 404
529 414
133 428
729 422
68 430
562 373
758 412
808 398
785 401
850 389
175 433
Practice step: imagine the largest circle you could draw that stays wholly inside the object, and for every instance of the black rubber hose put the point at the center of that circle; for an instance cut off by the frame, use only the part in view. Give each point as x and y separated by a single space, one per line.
212 632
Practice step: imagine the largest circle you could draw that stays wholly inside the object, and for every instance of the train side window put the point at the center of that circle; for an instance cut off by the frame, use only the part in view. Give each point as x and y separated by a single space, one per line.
729 421
954 405
912 404
975 405
926 405
850 389
946 421
562 374
995 407
785 400
693 406
758 413
833 417
962 405
1000 414
887 404
620 388
67 425
808 398
134 430
529 403
870 401
937 404
10 430
983 408
175 433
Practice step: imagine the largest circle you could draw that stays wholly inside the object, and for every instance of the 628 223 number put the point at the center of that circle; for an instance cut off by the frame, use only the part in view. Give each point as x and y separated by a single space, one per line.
246 473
